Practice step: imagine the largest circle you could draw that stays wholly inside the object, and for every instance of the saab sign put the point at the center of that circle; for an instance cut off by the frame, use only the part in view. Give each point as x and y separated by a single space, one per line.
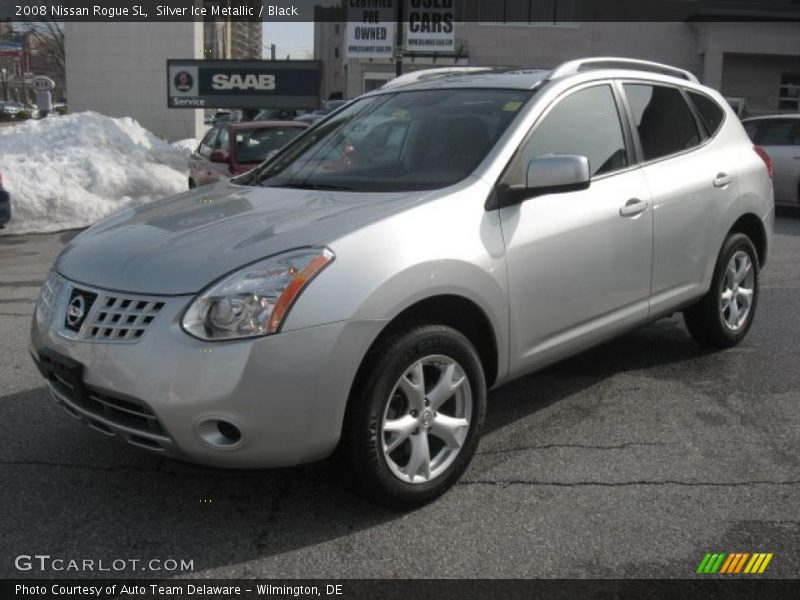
243 84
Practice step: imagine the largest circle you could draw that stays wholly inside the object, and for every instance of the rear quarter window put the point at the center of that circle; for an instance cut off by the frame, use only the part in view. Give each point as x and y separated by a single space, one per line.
710 112
663 119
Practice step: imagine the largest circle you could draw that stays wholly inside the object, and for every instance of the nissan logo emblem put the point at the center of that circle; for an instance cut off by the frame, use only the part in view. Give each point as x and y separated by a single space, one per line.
76 311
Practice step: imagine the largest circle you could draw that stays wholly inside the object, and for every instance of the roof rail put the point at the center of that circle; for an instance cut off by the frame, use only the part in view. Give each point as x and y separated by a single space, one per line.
611 62
431 73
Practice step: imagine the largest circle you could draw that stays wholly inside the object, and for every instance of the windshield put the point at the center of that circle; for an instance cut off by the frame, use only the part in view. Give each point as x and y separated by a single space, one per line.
396 142
252 146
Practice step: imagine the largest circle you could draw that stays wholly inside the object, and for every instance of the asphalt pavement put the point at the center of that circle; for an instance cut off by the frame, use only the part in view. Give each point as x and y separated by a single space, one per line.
631 460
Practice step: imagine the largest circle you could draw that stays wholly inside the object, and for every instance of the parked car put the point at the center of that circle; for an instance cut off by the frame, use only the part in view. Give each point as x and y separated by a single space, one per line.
230 150
5 204
780 137
279 114
313 117
10 109
364 292
223 117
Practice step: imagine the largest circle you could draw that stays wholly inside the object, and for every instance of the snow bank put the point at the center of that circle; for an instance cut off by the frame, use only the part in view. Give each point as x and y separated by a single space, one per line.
70 171
186 146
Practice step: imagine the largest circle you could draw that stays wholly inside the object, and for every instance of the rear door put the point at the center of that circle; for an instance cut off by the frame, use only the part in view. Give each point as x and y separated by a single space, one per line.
578 262
692 180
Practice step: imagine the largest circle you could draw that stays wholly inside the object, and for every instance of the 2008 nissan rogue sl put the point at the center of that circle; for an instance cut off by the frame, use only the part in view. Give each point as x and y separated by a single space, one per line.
363 289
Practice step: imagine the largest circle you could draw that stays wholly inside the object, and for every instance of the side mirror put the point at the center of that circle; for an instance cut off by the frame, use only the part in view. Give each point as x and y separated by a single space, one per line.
549 174
218 156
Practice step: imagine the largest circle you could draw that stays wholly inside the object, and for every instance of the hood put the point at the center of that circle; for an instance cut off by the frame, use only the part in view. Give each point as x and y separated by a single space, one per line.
181 244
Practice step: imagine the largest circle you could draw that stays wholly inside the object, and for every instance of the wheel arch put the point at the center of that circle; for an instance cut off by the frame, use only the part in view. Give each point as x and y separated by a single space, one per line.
752 226
453 310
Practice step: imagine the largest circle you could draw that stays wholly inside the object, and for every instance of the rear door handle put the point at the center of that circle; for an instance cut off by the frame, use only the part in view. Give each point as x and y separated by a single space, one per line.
722 179
633 207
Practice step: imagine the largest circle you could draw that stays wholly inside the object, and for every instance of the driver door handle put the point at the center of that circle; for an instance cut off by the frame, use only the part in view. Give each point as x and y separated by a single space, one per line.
633 207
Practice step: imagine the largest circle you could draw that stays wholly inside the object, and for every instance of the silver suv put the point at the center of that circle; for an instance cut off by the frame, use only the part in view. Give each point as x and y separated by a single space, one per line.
363 289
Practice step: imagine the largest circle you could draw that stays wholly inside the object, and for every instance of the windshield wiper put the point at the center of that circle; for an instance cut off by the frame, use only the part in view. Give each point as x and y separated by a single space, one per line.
300 185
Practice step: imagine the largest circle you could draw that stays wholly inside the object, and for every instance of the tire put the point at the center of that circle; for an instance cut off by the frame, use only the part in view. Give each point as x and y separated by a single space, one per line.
382 402
712 321
192 184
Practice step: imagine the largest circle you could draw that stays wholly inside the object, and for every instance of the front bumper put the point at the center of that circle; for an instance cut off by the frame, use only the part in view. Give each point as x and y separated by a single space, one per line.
286 393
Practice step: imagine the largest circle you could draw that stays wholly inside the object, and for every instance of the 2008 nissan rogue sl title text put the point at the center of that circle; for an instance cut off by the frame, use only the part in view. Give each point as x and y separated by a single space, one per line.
361 290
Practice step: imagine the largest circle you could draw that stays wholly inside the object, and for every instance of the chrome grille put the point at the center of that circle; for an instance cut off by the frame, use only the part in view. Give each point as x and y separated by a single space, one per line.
118 318
48 297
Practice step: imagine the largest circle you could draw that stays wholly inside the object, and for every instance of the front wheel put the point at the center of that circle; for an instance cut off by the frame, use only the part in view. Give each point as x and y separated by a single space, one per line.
724 315
414 423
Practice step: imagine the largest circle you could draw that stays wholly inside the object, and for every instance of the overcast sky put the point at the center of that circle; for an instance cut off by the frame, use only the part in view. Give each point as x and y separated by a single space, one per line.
294 39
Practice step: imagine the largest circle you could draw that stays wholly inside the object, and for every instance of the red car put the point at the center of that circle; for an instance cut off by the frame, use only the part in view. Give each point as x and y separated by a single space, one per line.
231 149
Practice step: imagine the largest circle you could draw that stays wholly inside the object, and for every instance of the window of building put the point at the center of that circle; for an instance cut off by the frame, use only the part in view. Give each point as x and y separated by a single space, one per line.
664 121
710 112
336 52
535 13
586 123
789 96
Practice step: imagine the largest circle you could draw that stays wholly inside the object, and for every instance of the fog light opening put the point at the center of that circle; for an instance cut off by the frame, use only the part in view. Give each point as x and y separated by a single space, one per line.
219 433
229 431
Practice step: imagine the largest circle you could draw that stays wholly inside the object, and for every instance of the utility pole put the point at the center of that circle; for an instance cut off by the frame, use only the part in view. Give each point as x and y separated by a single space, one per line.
272 51
398 53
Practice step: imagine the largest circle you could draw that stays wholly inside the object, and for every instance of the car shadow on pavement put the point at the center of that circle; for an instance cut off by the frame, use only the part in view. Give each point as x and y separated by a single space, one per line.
787 220
69 491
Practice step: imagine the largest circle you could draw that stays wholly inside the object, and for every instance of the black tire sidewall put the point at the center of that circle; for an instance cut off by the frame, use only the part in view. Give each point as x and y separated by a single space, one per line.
734 244
391 360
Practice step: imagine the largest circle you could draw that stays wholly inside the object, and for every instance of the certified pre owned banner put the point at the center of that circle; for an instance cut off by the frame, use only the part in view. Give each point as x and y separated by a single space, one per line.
243 84
370 28
429 25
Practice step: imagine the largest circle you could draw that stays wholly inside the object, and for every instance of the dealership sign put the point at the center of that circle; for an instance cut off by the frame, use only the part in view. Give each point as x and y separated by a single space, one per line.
429 25
370 29
243 84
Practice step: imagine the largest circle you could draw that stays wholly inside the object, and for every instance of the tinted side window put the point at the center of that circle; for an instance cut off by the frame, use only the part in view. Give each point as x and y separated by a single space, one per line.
223 141
777 132
664 121
585 122
206 145
710 112
751 127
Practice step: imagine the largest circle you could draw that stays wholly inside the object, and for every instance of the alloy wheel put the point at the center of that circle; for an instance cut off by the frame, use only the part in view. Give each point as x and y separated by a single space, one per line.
426 419
738 288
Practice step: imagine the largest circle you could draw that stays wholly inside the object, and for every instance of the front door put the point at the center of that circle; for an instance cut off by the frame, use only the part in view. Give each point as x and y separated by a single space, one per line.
579 263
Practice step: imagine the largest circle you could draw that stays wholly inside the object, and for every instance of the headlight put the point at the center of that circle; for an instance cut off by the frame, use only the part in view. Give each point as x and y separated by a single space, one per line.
255 300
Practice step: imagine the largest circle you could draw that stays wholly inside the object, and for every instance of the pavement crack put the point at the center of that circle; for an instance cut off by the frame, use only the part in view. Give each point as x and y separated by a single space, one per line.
577 446
663 482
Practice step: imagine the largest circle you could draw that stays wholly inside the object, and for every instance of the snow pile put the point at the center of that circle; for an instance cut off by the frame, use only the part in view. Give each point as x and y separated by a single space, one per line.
70 171
186 146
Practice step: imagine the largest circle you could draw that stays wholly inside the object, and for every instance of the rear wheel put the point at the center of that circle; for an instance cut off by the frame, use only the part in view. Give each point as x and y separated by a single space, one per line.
724 315
414 423
192 184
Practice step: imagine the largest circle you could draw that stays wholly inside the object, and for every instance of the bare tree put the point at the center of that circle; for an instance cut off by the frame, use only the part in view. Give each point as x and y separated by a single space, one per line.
46 41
